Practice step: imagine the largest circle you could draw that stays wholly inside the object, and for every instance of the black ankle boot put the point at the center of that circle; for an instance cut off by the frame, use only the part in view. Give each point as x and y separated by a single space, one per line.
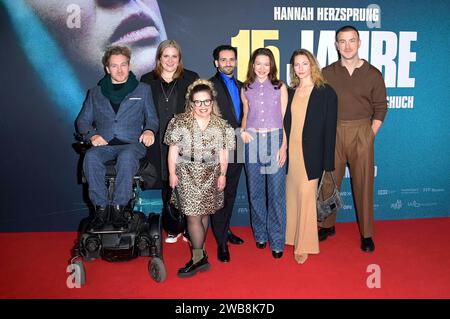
119 219
325 232
100 217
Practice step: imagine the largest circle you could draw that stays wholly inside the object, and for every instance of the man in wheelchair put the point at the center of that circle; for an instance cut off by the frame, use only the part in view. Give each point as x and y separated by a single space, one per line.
119 120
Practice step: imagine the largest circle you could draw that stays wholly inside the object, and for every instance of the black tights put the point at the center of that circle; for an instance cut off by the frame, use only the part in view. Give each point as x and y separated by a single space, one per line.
197 228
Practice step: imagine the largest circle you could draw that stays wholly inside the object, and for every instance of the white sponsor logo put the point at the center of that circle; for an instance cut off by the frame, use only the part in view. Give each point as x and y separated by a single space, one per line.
432 190
410 191
383 192
242 211
397 205
416 204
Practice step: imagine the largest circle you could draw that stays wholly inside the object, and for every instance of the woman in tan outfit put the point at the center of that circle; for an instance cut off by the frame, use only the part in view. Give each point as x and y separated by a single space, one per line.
310 125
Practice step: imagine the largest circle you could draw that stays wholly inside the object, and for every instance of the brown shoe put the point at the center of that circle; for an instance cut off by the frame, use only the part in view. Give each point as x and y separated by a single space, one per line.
301 258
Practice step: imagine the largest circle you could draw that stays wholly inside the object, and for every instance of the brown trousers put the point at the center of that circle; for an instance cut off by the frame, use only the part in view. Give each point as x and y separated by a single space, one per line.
354 145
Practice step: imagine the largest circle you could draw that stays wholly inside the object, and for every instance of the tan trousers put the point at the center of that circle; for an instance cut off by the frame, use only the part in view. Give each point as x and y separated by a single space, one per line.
354 145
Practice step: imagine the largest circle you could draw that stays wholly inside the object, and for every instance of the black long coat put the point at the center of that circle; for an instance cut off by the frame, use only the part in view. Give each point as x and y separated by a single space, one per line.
157 153
319 130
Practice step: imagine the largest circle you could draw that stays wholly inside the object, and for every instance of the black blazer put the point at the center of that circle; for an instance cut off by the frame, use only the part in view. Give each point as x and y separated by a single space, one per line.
155 82
225 102
228 112
319 130
158 151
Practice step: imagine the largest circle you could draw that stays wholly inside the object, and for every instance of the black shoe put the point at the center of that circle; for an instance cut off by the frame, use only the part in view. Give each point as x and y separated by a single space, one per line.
261 245
100 217
367 245
233 239
191 269
119 220
325 232
277 254
223 254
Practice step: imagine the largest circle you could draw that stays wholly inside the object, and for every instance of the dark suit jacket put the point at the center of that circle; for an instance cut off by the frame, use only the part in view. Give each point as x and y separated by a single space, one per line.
136 114
227 110
319 130
225 102
182 85
157 153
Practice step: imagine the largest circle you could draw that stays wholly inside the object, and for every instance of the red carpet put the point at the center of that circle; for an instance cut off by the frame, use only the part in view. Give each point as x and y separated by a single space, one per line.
413 255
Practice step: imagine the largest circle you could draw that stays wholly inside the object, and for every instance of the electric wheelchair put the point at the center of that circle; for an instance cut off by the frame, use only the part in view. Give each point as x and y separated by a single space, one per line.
141 237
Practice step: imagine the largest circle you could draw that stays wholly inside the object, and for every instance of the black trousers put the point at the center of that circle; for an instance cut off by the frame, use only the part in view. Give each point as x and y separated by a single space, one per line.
220 221
166 194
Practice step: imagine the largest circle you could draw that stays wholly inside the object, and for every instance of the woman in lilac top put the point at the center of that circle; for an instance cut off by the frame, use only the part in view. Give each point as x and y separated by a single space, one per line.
264 100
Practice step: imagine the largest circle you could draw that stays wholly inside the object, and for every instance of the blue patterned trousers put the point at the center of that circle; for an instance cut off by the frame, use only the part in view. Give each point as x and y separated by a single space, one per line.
267 188
127 164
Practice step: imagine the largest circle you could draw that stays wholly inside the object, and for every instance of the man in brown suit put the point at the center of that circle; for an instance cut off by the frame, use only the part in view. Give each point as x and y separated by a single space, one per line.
362 106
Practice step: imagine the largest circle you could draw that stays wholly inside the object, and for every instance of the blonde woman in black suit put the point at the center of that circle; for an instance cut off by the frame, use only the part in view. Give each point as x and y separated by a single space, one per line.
310 124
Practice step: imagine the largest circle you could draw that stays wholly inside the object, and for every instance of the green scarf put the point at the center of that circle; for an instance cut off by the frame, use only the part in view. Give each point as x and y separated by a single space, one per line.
117 96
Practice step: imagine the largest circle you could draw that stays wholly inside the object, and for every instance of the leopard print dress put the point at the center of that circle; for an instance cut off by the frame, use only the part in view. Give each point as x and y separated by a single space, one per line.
198 166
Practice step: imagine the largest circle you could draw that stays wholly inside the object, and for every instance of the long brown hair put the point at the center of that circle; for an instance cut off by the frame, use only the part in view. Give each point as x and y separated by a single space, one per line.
316 74
272 73
162 46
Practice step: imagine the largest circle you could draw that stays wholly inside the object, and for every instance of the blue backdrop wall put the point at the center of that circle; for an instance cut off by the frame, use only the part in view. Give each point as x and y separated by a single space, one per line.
51 52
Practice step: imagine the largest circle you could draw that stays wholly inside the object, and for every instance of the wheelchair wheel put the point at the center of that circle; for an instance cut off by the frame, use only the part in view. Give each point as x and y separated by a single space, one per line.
157 270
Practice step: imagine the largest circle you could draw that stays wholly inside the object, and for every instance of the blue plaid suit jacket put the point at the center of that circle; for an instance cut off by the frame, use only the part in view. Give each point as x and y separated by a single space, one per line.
136 114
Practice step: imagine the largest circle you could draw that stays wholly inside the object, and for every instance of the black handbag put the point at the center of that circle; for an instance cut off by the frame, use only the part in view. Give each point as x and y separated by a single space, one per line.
173 220
329 205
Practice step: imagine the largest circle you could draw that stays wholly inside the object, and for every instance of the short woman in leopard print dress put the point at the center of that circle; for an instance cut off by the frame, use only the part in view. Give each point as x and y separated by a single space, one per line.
199 141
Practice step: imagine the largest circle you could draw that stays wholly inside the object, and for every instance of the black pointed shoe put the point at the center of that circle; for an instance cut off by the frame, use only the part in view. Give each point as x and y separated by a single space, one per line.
233 239
191 269
367 245
261 244
325 232
223 254
277 254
